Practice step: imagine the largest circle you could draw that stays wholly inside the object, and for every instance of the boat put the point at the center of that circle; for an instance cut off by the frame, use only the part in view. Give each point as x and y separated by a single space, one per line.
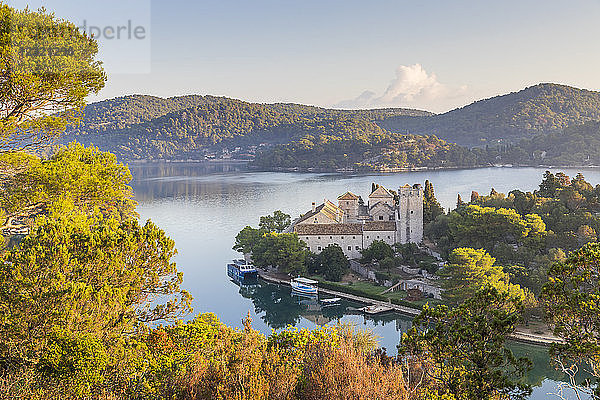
240 271
303 296
331 301
375 309
304 286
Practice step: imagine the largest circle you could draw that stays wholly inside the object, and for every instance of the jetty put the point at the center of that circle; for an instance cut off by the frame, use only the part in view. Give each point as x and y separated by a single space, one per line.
413 312
374 307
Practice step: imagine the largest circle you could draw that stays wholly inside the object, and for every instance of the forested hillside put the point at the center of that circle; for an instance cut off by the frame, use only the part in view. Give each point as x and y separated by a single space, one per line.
527 127
576 145
387 152
542 108
146 127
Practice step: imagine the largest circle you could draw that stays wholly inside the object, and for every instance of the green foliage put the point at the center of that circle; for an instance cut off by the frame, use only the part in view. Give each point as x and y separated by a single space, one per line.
282 250
278 222
463 349
571 299
537 109
377 251
332 263
568 208
551 184
247 239
85 275
525 232
431 206
487 226
80 357
205 359
409 251
470 270
388 263
147 127
575 145
503 232
47 69
310 137
366 150
86 177
270 248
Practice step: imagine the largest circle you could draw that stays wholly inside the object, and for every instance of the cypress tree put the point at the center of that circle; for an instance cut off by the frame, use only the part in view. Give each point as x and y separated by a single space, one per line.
431 207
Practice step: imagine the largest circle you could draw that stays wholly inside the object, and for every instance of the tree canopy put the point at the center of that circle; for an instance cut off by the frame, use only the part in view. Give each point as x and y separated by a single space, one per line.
470 270
86 177
463 348
431 206
570 298
278 222
332 263
377 251
47 69
79 275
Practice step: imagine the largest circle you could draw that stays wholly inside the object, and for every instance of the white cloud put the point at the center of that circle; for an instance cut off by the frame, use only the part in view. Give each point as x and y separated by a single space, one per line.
412 87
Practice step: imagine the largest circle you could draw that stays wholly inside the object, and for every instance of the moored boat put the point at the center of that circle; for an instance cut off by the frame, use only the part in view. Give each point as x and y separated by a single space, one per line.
240 271
304 285
331 301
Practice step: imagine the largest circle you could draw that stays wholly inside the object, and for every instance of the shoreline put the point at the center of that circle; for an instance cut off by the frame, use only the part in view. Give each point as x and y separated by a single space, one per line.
351 171
517 336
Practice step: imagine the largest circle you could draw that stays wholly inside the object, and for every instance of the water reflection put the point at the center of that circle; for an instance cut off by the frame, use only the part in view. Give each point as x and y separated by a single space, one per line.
163 180
279 307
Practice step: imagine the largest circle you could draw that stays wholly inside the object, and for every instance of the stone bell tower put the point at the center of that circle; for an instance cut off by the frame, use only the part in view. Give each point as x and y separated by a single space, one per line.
409 217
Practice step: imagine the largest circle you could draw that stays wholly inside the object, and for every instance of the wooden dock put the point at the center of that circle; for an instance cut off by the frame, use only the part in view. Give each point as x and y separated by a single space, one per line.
375 307
412 312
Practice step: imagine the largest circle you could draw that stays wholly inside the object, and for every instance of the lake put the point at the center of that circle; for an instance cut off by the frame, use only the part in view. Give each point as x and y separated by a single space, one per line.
203 206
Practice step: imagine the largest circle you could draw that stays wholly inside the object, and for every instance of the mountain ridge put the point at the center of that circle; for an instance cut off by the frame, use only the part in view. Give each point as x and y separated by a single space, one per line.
195 126
509 117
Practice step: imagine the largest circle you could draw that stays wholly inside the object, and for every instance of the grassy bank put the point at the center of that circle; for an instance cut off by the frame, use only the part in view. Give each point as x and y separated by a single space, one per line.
371 291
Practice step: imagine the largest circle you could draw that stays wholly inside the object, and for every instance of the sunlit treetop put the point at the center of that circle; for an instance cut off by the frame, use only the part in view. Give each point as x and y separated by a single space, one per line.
47 69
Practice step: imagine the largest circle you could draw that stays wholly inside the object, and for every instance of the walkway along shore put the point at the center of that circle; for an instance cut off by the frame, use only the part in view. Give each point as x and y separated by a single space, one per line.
518 336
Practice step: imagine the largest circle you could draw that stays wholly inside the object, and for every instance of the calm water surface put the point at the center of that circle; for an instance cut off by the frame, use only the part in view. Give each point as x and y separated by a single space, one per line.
203 206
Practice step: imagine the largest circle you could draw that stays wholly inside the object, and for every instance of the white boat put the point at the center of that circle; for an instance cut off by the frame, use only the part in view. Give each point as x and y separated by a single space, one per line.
304 285
330 301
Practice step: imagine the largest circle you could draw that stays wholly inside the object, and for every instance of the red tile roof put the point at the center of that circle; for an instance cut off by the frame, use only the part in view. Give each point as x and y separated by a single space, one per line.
379 226
329 229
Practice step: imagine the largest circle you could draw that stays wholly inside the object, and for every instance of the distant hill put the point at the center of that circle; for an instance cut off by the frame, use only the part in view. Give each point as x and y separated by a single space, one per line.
517 127
577 145
388 152
541 108
147 127
122 112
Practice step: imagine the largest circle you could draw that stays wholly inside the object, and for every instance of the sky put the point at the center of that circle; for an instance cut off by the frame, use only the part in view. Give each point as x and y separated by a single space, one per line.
433 55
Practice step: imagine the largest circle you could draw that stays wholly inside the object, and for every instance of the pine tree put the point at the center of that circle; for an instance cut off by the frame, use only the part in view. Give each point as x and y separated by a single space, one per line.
459 201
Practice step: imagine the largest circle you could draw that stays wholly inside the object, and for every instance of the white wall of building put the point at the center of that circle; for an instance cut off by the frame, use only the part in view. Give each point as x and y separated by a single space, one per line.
350 244
370 236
